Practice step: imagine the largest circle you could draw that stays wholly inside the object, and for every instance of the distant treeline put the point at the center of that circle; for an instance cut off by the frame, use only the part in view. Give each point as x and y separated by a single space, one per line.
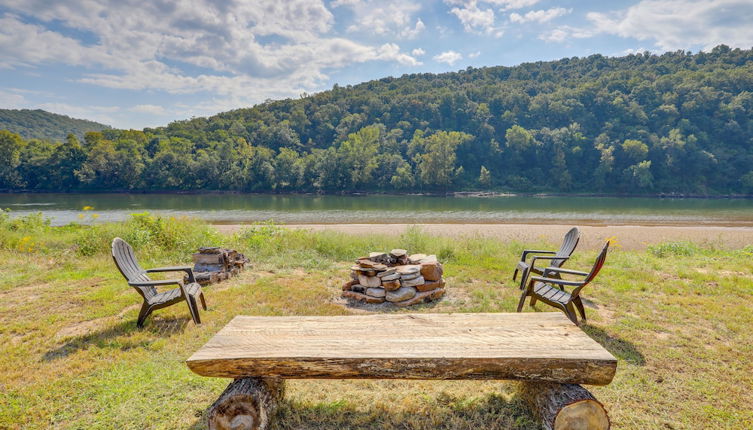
674 123
39 124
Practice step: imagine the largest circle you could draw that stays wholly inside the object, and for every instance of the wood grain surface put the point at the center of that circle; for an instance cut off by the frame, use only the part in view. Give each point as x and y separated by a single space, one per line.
534 346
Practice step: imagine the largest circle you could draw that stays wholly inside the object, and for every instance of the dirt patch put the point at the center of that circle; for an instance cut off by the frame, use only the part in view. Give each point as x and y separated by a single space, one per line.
87 327
80 329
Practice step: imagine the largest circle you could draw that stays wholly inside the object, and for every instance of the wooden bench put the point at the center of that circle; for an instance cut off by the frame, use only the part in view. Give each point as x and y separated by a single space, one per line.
545 351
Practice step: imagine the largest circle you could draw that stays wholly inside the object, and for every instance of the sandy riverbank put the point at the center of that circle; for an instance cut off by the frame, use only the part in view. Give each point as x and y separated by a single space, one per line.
629 237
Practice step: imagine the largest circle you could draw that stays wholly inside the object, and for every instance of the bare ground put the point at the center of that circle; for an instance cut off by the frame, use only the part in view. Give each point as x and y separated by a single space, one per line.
592 237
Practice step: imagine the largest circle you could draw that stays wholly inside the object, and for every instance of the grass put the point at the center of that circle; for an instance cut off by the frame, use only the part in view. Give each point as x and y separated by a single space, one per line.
678 317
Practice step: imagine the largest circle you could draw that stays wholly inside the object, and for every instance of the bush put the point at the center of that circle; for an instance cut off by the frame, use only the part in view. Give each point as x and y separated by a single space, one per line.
674 249
34 222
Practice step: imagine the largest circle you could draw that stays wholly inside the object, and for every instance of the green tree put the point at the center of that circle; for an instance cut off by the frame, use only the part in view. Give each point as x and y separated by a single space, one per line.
288 169
635 150
641 175
10 157
485 178
437 164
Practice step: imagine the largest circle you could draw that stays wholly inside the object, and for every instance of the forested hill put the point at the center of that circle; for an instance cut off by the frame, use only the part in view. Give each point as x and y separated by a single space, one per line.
672 123
39 124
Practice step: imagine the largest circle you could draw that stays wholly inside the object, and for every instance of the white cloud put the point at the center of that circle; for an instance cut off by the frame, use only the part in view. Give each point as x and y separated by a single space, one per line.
411 33
11 100
476 19
540 16
417 52
514 4
671 24
150 109
474 54
449 57
634 51
392 52
244 52
682 24
566 32
383 17
502 4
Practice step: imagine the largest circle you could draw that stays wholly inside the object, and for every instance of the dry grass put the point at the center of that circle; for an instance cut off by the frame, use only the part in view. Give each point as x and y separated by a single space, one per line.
679 320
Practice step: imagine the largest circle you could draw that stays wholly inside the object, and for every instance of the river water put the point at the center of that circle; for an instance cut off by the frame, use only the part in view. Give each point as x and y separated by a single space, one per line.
315 209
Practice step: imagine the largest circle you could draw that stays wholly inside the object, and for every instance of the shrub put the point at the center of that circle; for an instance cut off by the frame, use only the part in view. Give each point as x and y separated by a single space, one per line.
674 249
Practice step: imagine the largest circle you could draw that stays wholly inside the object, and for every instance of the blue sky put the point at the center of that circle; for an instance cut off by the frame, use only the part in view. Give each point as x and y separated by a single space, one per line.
135 64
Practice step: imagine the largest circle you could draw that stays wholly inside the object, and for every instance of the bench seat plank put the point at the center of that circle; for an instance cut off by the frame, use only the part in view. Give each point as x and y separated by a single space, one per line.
534 346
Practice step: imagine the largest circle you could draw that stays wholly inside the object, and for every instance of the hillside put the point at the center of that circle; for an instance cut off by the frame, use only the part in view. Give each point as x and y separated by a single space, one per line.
672 123
39 124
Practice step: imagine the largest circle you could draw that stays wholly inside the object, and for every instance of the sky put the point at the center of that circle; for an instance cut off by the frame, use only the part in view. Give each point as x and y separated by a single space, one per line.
136 64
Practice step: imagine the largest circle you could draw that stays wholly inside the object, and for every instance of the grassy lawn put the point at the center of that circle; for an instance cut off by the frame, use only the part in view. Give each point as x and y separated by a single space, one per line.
678 317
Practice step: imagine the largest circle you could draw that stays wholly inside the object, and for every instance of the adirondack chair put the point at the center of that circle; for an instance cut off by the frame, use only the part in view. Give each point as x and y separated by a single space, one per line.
556 258
545 288
125 260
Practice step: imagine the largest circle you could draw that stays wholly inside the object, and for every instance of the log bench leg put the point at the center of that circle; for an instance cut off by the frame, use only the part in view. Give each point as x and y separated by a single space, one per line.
564 406
246 404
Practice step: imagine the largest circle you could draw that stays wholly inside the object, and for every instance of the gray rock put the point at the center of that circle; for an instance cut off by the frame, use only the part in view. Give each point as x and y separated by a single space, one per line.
402 293
386 272
429 259
397 253
375 292
369 281
390 277
412 282
410 277
408 269
416 258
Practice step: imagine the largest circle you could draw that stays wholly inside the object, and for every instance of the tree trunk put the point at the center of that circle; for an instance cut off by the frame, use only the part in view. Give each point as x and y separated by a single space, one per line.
564 406
246 404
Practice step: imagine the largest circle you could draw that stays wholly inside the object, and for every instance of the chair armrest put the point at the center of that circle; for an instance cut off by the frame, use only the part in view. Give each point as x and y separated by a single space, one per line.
186 269
567 271
534 251
544 257
156 283
556 281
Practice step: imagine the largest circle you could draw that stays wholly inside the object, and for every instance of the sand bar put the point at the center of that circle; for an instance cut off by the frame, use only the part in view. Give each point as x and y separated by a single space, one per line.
628 236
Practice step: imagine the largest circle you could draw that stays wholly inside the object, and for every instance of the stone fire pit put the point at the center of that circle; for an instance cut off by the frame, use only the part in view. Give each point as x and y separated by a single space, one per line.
395 277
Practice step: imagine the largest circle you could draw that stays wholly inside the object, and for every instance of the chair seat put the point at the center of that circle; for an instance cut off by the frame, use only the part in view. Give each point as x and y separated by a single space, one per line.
553 294
174 294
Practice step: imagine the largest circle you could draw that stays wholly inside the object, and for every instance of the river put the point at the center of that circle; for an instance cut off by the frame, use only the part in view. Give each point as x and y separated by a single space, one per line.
381 209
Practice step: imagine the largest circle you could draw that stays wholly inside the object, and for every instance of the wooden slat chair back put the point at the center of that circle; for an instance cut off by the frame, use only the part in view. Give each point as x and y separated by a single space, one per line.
138 278
555 258
550 288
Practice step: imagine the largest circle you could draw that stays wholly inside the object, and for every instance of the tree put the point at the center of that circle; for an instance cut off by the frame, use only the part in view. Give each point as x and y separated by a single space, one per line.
357 156
485 178
518 139
635 150
10 157
65 162
288 169
641 176
437 164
